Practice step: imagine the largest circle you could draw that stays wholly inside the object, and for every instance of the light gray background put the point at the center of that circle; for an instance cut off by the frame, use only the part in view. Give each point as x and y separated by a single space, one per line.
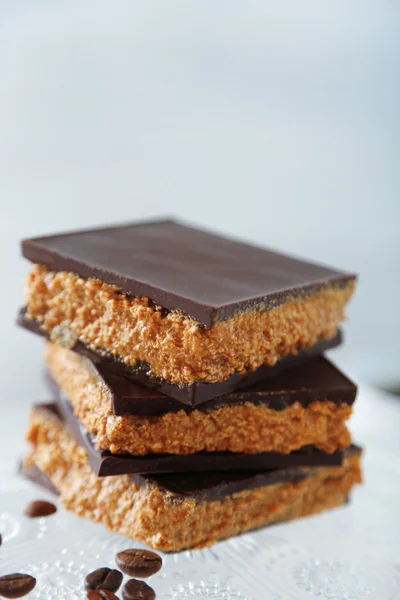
273 121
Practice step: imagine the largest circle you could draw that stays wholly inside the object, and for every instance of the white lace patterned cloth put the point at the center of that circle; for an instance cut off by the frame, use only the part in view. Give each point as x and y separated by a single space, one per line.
348 554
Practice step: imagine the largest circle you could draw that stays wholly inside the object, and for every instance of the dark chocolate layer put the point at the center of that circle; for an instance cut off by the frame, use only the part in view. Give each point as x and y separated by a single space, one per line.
105 464
204 275
212 486
191 395
34 474
316 380
207 486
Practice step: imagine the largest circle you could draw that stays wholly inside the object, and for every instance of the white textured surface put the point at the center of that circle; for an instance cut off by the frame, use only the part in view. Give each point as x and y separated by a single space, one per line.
352 553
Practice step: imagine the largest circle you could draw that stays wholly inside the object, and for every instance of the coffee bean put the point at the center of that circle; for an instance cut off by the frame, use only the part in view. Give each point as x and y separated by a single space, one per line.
40 508
137 590
1 539
101 595
16 585
138 563
104 579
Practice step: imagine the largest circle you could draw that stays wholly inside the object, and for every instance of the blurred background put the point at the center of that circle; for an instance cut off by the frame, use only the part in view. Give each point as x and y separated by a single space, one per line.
275 122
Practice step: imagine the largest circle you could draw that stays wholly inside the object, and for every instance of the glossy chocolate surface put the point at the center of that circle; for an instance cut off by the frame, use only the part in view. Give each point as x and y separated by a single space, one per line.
204 275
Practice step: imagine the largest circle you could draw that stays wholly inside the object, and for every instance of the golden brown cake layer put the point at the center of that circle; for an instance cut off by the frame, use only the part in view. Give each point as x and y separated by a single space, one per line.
177 348
238 428
171 521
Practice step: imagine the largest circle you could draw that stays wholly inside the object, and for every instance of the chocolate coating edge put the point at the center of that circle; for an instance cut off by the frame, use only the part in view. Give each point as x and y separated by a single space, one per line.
106 464
199 392
52 252
208 486
34 474
315 380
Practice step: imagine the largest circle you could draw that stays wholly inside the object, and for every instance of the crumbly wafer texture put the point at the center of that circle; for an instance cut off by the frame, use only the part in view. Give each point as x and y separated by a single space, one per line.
238 428
177 348
168 521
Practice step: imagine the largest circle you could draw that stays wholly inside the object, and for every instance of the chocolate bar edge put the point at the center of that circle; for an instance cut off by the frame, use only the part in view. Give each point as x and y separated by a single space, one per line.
36 251
196 393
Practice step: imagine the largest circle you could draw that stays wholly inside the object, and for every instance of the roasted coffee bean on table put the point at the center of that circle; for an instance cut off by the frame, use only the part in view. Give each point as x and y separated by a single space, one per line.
101 595
104 579
137 590
1 539
16 585
40 508
138 563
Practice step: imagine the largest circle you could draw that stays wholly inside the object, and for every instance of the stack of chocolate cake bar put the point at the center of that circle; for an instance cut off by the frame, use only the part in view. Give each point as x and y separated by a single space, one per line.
191 398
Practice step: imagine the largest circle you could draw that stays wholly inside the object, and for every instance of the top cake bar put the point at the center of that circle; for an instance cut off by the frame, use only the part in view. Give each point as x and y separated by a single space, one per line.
189 312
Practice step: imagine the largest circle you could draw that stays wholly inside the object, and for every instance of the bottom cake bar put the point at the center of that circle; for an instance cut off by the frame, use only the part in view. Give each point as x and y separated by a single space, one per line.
172 512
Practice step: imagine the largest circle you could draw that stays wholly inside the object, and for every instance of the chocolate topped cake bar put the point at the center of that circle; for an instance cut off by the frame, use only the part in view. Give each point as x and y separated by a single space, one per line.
308 405
193 314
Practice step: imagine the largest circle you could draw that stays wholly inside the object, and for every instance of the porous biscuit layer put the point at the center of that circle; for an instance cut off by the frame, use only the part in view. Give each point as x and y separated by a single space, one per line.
177 348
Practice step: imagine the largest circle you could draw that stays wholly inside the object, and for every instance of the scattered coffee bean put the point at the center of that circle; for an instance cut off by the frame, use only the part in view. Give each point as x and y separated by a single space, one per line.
101 595
104 579
1 539
137 590
138 563
40 508
16 585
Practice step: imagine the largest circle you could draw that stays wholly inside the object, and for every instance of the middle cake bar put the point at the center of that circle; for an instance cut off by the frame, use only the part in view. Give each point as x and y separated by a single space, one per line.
306 406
